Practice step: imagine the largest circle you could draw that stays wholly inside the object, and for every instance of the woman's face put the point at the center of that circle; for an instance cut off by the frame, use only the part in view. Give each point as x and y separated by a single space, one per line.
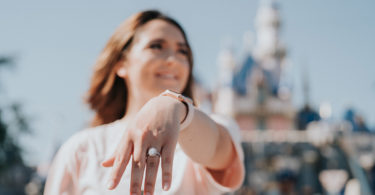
157 60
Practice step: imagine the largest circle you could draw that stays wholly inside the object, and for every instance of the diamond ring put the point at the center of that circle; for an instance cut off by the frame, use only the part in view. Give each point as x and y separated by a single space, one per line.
153 152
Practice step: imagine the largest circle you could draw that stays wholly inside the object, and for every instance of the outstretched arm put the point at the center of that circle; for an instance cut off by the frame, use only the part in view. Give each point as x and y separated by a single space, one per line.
156 125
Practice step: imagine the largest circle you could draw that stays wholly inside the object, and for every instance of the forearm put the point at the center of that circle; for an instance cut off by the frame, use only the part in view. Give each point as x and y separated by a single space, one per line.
206 142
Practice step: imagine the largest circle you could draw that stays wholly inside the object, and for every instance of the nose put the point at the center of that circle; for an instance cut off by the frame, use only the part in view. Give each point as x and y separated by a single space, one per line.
172 59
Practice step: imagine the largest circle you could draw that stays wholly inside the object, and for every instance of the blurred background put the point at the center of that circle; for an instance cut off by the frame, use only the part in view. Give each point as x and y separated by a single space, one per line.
297 76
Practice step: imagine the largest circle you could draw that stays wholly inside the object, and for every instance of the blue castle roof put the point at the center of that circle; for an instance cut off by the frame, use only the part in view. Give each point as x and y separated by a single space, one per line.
240 78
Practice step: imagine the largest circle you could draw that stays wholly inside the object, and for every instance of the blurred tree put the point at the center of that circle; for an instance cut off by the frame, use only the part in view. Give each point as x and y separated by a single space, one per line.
14 174
6 61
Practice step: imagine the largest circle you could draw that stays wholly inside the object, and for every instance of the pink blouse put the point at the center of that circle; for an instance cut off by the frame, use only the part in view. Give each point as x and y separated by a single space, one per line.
77 168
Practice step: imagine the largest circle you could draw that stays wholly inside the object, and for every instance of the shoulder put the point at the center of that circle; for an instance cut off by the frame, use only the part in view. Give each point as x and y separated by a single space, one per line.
75 144
82 138
82 141
75 157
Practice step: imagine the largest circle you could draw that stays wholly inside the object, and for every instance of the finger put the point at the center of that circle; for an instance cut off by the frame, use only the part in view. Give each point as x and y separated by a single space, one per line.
166 166
139 150
120 162
152 165
109 162
137 176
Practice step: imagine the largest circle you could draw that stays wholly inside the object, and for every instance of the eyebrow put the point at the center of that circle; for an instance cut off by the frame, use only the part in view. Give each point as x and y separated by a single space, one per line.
160 40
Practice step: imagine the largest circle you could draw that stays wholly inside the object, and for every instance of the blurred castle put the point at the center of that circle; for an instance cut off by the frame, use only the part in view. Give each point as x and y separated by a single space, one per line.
254 92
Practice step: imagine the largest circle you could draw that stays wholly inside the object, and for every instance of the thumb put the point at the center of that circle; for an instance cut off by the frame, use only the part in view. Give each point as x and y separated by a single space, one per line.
109 162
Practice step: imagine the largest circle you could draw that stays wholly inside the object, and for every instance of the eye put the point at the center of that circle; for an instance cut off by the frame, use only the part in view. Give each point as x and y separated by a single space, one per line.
156 46
183 51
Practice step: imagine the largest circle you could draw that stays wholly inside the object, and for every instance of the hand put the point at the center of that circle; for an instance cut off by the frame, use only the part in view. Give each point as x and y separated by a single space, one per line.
155 125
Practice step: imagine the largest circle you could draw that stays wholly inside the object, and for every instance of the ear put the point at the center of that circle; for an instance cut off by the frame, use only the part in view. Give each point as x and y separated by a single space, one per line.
121 69
122 72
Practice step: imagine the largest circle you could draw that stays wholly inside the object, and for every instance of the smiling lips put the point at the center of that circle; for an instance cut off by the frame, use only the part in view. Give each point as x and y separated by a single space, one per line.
167 76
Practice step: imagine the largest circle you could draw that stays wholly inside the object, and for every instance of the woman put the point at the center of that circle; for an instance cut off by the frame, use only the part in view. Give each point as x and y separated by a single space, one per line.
143 116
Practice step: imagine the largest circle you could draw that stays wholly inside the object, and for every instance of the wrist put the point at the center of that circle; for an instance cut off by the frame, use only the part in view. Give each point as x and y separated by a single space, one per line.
177 107
185 107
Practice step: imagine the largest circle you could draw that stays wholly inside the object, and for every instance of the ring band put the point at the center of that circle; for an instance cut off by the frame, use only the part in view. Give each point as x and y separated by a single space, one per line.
153 152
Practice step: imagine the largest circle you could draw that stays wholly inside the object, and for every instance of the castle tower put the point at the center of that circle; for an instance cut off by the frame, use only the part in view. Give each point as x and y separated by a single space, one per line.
224 95
250 91
269 50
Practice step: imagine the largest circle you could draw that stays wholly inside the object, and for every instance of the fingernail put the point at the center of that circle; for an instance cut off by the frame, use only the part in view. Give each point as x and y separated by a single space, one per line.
110 184
166 186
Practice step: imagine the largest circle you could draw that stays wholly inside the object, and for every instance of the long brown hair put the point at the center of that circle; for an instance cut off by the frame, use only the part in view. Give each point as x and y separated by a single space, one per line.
107 95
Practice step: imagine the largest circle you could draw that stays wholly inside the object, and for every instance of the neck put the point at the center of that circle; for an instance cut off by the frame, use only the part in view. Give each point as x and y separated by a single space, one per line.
134 104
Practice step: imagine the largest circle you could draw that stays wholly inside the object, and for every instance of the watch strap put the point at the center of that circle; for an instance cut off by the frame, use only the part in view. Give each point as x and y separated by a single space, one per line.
187 102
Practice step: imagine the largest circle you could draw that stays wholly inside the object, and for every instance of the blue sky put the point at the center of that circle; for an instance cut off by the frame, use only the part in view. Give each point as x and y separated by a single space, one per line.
56 44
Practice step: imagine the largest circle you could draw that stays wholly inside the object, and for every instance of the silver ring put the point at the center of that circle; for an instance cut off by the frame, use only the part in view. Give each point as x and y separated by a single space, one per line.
153 152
